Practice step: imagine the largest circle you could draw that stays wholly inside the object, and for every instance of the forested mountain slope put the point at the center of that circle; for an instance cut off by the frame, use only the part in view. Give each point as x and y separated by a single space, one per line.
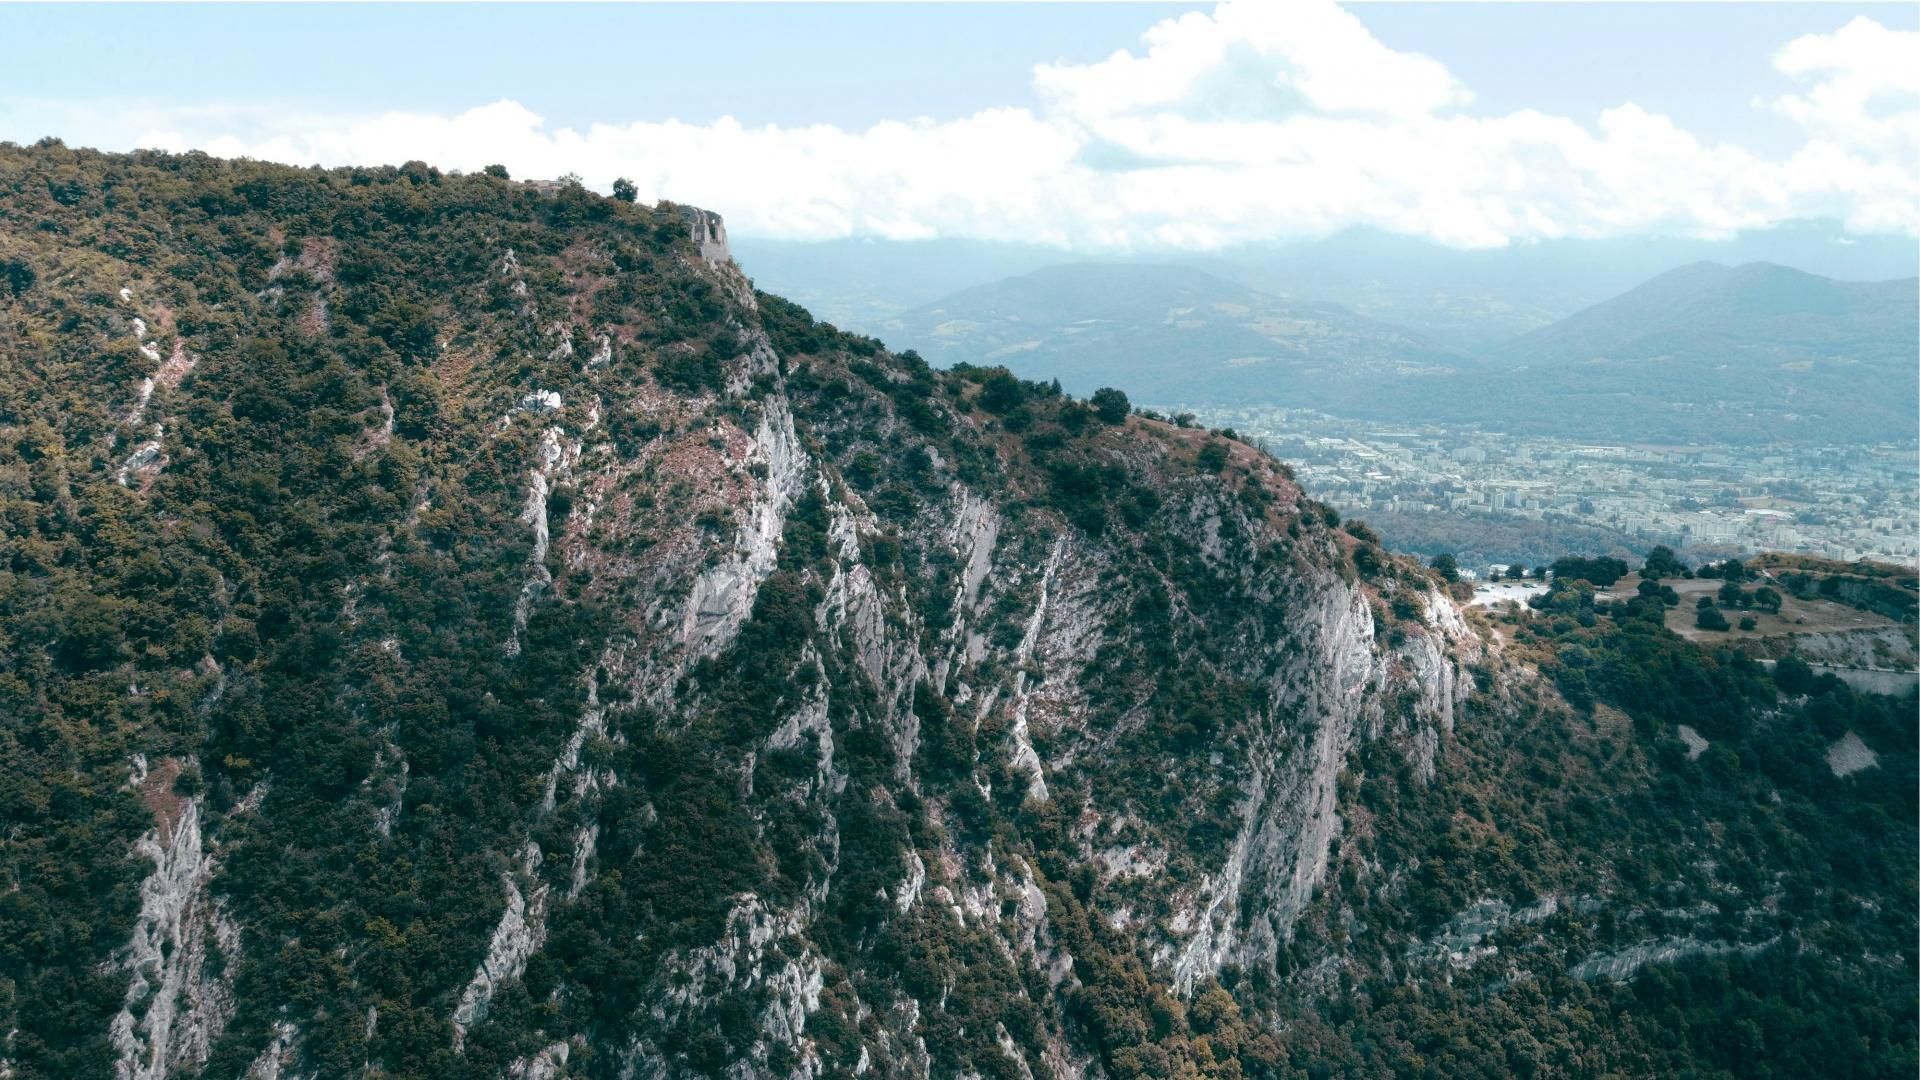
453 629
1745 349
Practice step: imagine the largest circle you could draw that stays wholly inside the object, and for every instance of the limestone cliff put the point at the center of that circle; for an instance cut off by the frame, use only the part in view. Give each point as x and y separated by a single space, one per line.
559 659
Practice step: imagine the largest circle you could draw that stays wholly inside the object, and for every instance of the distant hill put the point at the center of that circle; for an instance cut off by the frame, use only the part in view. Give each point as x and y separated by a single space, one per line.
1169 333
1733 352
1458 299
1703 353
1475 299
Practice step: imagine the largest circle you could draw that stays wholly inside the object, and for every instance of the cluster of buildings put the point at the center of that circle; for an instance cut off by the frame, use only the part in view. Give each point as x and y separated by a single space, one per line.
1840 502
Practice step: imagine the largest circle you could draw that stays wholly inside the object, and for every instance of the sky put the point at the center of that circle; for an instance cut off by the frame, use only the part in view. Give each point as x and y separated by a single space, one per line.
1087 126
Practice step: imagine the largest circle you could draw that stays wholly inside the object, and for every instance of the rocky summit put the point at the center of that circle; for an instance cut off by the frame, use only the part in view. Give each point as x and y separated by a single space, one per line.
453 627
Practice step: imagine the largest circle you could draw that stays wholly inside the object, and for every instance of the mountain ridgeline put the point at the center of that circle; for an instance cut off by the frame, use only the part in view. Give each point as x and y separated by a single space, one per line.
1168 334
1706 353
1739 351
452 627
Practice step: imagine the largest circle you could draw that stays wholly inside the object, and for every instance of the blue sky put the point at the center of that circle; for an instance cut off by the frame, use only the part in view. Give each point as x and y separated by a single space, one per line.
831 100
845 64
782 63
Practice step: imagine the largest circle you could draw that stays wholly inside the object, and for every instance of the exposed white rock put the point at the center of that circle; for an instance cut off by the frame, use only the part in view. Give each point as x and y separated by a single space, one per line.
553 458
542 401
278 1055
885 638
1025 758
176 1003
976 528
908 892
1696 744
139 328
592 725
723 596
386 419
1461 943
521 931
145 393
811 719
510 268
584 840
565 349
602 352
179 365
146 460
250 802
1012 1050
522 928
385 817
545 1065
1131 861
1849 755
1621 965
1326 696
742 961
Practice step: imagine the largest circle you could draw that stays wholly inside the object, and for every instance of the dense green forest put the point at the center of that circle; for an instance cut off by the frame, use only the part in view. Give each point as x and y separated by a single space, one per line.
449 627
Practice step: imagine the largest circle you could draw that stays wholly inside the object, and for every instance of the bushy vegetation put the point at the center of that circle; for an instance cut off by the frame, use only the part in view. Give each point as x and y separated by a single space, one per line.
205 618
322 581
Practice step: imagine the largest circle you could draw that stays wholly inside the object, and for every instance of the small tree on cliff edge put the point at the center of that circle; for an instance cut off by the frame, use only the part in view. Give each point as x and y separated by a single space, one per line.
1111 405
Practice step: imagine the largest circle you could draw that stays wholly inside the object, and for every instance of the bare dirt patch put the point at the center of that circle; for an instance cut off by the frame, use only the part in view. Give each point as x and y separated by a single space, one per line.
156 791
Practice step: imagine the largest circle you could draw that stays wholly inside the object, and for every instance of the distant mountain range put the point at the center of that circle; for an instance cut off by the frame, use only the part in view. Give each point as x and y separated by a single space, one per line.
1470 300
1463 300
1167 333
1705 353
1734 353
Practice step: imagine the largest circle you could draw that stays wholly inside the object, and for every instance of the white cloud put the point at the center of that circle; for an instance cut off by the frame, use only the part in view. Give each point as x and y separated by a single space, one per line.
1865 92
1861 114
1261 60
1258 120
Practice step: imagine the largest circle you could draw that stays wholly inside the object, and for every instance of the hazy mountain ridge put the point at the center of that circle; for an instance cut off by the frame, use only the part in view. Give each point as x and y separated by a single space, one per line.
455 628
1705 353
1752 308
1464 300
1474 299
1751 350
1167 332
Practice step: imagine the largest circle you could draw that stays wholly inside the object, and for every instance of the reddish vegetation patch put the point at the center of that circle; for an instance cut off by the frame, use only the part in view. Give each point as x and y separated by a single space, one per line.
160 317
315 321
174 369
156 791
452 365
628 540
317 254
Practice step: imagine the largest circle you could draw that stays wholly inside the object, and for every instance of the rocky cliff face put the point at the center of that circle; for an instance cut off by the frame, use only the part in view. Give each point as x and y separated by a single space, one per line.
567 661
